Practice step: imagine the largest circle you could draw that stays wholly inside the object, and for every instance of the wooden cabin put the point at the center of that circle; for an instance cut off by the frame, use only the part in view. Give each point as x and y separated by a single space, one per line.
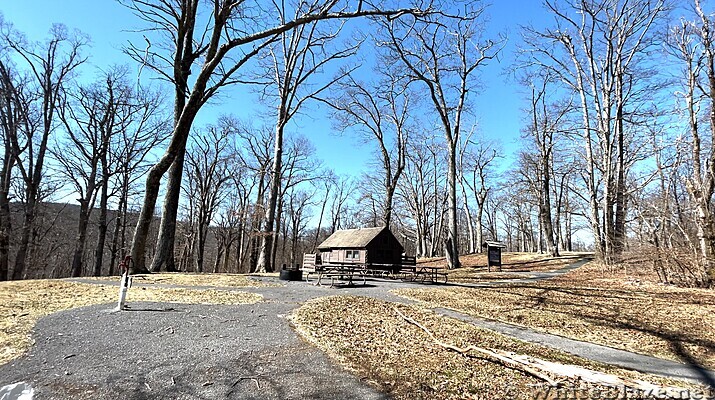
362 246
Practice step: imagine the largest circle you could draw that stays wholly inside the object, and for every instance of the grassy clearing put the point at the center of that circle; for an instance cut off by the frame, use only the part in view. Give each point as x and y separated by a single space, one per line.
370 338
621 308
22 303
514 266
195 279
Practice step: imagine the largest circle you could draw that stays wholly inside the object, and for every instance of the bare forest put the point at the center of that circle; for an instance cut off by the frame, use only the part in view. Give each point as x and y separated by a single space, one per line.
616 155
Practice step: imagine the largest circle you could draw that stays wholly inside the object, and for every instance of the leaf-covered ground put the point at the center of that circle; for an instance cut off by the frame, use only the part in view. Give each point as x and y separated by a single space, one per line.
370 338
22 303
623 309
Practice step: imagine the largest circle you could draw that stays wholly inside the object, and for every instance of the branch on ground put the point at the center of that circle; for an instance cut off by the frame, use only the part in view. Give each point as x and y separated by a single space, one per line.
542 369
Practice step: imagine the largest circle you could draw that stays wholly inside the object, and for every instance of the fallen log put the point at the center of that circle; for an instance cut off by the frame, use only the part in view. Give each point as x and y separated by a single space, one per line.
547 370
490 353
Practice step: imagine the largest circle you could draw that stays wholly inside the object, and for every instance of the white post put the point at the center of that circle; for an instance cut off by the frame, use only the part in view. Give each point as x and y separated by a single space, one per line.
123 287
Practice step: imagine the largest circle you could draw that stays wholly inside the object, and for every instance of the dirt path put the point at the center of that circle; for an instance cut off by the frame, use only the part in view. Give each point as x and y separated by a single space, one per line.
161 350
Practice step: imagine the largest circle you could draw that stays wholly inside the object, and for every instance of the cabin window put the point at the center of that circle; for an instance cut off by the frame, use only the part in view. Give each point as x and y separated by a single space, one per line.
352 254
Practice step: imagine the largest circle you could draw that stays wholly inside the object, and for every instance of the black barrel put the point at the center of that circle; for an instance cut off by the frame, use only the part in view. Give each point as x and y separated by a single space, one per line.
291 275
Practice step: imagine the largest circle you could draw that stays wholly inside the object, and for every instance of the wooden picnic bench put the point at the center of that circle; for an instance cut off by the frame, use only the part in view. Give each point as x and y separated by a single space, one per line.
342 271
407 270
424 274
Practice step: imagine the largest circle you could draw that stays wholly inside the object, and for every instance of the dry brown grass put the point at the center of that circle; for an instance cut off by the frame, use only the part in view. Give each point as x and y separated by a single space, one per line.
369 338
622 308
480 259
196 279
22 303
514 265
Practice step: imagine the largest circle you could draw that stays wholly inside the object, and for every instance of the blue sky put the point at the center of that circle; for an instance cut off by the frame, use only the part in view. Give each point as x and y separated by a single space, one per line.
496 105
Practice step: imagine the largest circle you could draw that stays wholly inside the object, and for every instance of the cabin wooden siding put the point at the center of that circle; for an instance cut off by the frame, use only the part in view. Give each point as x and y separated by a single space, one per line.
340 255
384 249
372 245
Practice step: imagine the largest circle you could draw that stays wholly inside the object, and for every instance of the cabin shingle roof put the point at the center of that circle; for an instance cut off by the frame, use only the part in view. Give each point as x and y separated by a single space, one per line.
351 238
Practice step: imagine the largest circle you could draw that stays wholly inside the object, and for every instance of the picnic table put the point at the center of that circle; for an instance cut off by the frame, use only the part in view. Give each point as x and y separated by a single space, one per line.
349 272
342 271
423 274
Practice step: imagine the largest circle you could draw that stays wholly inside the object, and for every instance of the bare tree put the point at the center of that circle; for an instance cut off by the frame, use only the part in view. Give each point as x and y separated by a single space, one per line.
231 223
478 161
380 111
547 120
300 167
49 66
294 60
422 193
255 155
234 32
208 169
344 186
328 180
444 56
693 44
598 51
13 111
149 128
299 203
93 115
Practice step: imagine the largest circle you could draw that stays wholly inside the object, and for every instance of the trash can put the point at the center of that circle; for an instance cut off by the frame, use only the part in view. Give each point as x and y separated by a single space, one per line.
291 274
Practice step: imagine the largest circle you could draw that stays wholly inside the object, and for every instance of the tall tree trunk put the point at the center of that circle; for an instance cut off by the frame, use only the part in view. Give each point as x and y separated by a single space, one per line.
9 120
151 193
102 223
5 215
164 257
240 249
470 224
545 212
5 233
122 221
437 226
5 218
255 237
185 111
219 253
201 249
387 213
452 243
227 254
113 247
480 228
619 229
594 219
265 256
81 238
18 271
278 225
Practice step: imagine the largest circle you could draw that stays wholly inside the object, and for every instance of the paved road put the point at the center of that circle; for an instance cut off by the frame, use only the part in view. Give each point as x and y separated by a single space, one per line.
178 351
172 351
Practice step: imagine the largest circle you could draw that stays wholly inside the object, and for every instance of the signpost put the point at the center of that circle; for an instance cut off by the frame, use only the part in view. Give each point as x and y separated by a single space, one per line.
493 254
